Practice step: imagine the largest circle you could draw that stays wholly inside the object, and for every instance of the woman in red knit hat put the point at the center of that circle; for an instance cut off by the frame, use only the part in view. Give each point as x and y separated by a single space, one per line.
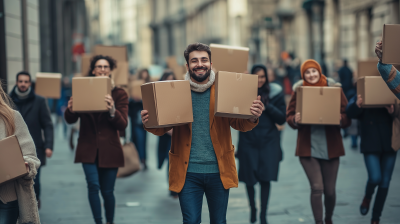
318 146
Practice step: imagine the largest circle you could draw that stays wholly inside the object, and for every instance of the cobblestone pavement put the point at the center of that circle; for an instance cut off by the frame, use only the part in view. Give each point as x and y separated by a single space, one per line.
144 197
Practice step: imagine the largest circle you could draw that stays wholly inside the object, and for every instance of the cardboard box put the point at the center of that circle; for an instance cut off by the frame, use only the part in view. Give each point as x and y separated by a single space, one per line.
179 72
120 75
318 105
134 89
118 53
374 92
367 68
48 85
235 94
85 64
391 45
229 58
172 62
89 94
12 163
169 103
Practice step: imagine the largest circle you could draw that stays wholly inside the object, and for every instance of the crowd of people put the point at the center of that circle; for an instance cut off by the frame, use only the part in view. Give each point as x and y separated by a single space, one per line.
200 156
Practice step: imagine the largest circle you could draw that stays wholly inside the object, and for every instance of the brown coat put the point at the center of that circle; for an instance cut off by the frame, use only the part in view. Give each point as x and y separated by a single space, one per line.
333 135
221 138
99 133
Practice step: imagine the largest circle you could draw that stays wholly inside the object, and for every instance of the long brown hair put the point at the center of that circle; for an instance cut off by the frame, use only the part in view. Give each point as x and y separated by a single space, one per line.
6 111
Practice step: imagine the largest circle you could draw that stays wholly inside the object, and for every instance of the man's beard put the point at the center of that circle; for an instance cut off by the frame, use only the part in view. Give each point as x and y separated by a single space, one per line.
20 90
201 78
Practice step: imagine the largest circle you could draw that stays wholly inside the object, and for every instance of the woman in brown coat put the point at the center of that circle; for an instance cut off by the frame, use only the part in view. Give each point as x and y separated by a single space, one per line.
99 148
318 146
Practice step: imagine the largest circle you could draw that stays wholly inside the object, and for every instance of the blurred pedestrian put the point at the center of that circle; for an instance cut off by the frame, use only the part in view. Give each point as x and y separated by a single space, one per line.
259 150
99 148
139 135
17 197
201 158
388 72
318 146
164 142
36 114
379 156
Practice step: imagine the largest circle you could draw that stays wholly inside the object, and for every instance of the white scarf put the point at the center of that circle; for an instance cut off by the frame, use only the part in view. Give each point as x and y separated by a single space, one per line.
200 87
22 95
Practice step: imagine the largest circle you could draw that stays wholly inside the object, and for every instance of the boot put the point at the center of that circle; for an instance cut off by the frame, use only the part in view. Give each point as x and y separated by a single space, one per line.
374 222
328 221
263 218
364 208
253 215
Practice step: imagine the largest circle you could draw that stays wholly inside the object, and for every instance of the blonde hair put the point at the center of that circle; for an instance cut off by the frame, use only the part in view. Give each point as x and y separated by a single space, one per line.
6 111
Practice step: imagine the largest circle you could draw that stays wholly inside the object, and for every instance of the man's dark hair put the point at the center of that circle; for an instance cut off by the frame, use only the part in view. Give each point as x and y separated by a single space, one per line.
345 62
111 61
24 73
196 47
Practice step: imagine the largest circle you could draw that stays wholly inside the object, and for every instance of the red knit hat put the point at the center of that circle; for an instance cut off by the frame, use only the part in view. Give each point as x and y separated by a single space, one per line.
310 63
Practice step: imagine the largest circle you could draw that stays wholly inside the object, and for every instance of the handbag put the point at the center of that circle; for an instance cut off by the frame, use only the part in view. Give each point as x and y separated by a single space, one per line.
131 159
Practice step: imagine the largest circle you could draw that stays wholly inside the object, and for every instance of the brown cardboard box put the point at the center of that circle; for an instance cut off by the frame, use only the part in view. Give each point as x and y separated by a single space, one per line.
119 53
391 46
179 72
318 105
374 92
48 85
85 64
89 94
134 89
229 58
120 75
172 62
169 103
12 164
235 94
368 67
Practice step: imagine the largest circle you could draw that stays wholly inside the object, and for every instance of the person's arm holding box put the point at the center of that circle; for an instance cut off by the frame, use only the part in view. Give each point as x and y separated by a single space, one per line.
47 126
118 110
155 131
70 116
27 147
388 72
344 120
291 112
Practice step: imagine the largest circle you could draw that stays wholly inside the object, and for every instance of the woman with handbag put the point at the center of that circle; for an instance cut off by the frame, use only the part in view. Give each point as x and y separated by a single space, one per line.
259 150
379 154
319 146
99 148
17 197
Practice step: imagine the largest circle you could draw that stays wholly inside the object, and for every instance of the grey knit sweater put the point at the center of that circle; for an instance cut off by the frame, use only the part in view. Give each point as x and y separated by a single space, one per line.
202 155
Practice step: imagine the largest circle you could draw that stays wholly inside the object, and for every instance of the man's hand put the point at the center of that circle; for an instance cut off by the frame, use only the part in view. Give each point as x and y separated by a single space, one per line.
49 153
170 132
390 109
70 105
378 50
297 118
359 101
256 109
110 105
145 116
27 167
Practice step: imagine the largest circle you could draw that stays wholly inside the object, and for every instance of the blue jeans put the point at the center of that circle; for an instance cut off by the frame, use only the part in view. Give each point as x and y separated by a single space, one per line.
101 179
36 186
140 136
380 168
9 212
191 198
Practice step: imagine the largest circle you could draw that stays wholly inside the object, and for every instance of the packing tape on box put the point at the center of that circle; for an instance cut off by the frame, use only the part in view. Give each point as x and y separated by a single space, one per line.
172 85
230 51
239 77
91 81
178 119
321 120
235 110
321 91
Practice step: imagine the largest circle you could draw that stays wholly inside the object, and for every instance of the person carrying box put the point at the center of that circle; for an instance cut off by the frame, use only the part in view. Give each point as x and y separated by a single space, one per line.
202 157
318 146
17 197
99 148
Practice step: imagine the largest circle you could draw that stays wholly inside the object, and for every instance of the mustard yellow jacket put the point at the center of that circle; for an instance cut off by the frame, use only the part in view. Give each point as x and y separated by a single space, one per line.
221 139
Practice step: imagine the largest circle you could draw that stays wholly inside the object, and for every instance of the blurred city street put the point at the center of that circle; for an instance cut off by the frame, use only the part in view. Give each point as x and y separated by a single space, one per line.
144 197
